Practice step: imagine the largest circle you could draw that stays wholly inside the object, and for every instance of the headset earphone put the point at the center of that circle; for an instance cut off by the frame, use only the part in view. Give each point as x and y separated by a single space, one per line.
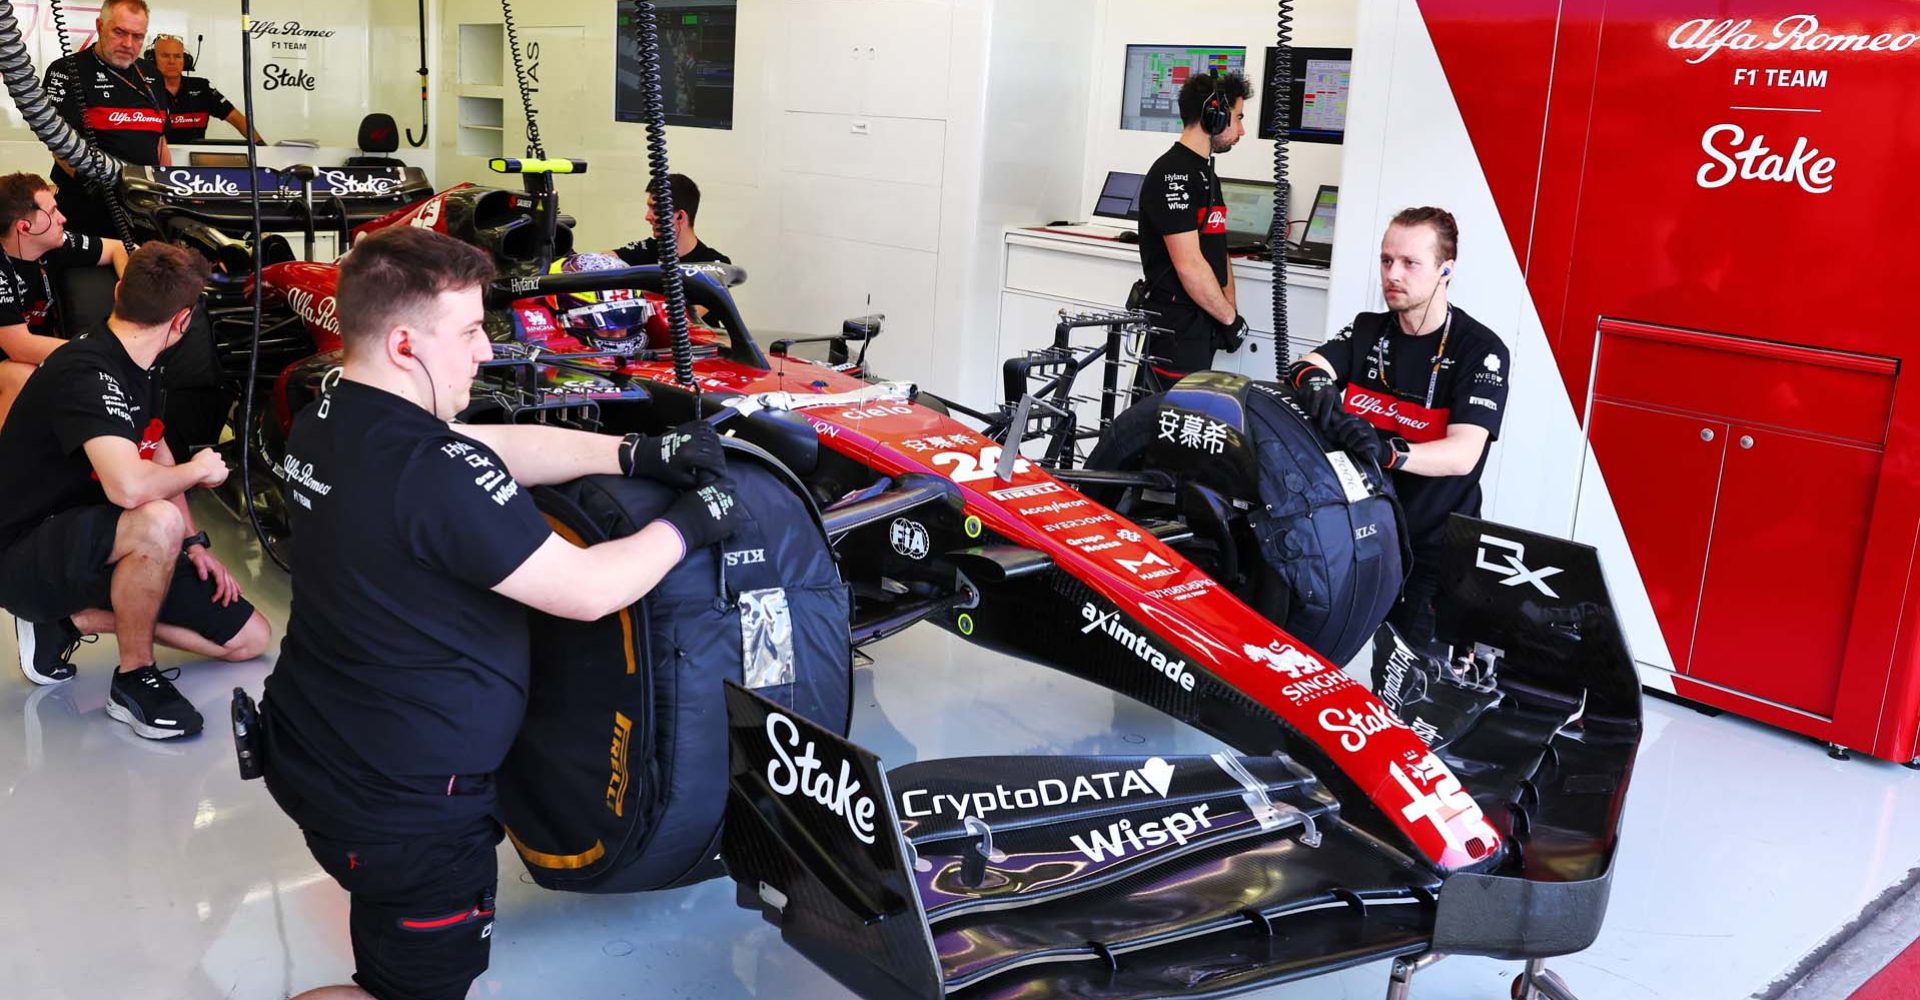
406 351
1215 115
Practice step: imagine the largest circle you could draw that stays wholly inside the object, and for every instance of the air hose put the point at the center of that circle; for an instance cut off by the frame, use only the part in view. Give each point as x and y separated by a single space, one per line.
411 141
673 287
245 431
105 189
535 148
1279 99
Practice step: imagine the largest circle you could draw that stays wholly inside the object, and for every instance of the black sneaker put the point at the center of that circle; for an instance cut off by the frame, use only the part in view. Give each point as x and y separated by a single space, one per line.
46 648
146 700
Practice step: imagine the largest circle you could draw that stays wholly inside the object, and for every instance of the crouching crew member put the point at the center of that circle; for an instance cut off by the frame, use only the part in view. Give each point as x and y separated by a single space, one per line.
1421 389
95 534
416 551
1183 237
38 248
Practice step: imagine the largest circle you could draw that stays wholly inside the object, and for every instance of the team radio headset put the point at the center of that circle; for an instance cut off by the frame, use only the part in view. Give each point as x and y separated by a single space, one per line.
13 276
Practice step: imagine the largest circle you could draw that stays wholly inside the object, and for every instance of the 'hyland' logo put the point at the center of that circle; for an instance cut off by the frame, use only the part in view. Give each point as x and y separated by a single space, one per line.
1140 644
787 774
1153 777
1124 838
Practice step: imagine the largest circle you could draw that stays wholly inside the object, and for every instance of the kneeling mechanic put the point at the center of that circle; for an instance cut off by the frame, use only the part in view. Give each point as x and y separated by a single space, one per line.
403 677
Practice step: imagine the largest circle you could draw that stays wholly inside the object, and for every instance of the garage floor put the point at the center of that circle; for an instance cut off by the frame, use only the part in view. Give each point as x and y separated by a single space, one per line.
150 870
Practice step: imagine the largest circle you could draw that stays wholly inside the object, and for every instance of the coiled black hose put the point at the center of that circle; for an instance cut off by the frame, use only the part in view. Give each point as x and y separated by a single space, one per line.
244 433
535 148
23 85
647 35
106 190
1279 99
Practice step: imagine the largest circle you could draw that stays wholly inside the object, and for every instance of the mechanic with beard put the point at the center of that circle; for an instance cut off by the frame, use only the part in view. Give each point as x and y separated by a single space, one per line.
38 247
686 208
108 88
1424 386
1188 284
403 677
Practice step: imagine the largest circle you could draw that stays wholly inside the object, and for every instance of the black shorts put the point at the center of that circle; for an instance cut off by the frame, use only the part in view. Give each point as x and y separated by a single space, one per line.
421 915
61 567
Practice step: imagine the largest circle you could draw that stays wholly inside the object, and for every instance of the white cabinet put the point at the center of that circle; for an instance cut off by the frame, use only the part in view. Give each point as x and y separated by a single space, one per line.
869 57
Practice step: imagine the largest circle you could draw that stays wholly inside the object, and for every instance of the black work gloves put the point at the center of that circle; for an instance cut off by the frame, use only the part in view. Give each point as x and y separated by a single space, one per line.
1350 433
688 455
705 516
1314 390
1229 336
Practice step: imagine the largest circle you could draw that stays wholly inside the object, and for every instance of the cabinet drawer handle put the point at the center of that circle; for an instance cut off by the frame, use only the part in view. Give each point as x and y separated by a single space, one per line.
1706 433
1746 440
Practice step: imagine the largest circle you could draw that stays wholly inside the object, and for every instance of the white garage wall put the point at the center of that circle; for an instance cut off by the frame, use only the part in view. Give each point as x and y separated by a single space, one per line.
367 65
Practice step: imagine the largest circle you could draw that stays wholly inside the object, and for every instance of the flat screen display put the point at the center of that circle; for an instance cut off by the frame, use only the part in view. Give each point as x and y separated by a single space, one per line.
1316 110
1249 209
696 63
1150 96
1120 197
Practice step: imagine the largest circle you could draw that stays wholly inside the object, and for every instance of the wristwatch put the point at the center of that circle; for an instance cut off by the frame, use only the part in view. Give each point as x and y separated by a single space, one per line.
1396 444
197 538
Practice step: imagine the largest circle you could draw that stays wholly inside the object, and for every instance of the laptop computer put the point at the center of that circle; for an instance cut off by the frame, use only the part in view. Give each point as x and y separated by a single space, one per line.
1249 214
1316 244
1119 199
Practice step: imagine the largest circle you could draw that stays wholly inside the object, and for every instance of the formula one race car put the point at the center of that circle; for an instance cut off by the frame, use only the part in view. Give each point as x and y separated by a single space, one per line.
1471 806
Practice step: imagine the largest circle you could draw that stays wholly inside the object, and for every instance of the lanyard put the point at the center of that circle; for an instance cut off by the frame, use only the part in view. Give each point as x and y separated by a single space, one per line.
142 88
18 286
1384 352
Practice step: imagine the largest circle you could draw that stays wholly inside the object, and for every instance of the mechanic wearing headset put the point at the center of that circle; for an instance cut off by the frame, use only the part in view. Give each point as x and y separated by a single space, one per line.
125 107
403 677
192 102
686 207
38 247
1424 386
95 534
1183 237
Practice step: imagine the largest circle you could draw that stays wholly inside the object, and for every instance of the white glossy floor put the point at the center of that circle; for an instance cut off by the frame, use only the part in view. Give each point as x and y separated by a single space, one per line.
135 869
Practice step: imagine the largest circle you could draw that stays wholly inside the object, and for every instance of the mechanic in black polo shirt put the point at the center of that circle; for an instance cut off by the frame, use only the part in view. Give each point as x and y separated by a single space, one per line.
1183 237
192 102
686 207
38 248
416 551
95 534
107 94
1424 386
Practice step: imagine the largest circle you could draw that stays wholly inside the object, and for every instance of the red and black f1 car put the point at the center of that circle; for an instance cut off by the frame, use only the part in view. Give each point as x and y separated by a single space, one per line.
1468 807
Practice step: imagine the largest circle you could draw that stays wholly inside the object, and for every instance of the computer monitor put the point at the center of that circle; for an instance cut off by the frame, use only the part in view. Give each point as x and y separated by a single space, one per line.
1150 95
1120 196
1318 239
1249 210
696 59
1316 110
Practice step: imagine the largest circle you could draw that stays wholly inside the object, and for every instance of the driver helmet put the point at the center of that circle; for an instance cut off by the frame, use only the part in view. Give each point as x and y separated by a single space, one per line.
615 320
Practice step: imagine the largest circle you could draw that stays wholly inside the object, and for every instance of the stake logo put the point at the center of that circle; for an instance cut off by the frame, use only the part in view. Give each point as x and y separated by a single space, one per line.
1138 643
189 182
1123 838
805 774
1154 777
345 183
1355 726
1515 571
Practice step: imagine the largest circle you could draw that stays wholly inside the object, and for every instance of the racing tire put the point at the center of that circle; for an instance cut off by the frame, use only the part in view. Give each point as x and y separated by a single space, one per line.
1123 448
